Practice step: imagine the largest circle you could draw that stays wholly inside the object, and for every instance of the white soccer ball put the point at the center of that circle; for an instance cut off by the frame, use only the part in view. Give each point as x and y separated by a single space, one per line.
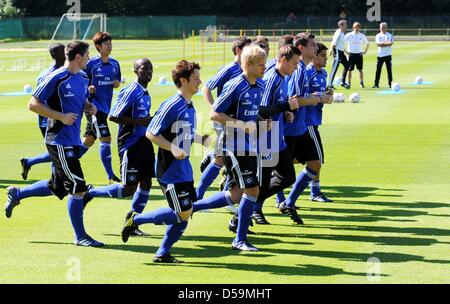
338 97
162 80
419 80
123 79
355 98
395 87
338 81
27 88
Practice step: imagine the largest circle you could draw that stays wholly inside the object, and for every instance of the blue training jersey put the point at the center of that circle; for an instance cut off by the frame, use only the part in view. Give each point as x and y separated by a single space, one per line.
102 76
224 75
270 64
133 101
67 93
298 85
276 92
175 120
42 121
240 100
317 83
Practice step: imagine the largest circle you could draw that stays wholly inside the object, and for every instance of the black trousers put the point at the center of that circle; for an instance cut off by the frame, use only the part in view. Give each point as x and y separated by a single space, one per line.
339 58
380 61
277 178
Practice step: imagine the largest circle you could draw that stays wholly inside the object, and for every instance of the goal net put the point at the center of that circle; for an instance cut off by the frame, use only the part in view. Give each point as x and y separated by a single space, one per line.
78 26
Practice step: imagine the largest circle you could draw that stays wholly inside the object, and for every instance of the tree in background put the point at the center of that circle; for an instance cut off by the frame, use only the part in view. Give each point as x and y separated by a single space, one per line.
8 10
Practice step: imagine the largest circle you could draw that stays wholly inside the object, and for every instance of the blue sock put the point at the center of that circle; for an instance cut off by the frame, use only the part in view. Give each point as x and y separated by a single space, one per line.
173 234
300 184
41 158
158 217
246 207
106 157
39 188
315 188
114 190
208 176
217 200
75 207
83 150
258 206
139 200
280 197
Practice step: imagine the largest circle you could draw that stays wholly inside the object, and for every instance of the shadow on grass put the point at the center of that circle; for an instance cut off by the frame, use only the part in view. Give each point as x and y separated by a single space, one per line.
401 205
343 218
358 191
5 183
297 270
384 229
259 238
376 240
200 251
397 212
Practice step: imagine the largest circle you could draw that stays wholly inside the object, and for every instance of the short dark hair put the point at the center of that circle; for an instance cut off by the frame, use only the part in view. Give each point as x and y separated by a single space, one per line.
101 37
240 43
74 48
262 41
142 61
341 22
288 51
303 39
183 69
321 47
285 40
53 49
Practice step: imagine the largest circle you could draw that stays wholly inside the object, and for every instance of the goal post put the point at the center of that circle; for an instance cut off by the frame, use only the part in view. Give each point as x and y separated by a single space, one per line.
78 26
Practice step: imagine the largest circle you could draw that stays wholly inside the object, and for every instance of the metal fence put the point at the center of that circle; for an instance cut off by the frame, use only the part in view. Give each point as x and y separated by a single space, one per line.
162 27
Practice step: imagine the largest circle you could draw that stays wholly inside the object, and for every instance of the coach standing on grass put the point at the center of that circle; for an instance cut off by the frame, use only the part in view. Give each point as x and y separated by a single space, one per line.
384 40
356 40
337 51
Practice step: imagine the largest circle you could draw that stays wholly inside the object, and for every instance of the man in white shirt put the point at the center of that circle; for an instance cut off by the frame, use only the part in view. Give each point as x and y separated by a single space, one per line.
337 51
356 41
384 40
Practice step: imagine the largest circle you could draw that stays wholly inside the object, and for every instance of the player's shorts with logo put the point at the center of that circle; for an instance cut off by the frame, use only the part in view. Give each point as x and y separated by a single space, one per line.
243 171
180 196
279 175
67 176
101 127
137 162
306 147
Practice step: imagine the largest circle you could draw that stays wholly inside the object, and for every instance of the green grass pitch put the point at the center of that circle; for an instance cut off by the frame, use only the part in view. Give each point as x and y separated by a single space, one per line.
387 168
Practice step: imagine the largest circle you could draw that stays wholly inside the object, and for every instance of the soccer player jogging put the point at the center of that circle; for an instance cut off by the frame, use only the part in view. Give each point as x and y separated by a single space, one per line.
232 70
299 141
317 84
337 51
104 75
65 93
262 42
356 41
278 170
57 53
173 130
384 41
132 113
237 110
